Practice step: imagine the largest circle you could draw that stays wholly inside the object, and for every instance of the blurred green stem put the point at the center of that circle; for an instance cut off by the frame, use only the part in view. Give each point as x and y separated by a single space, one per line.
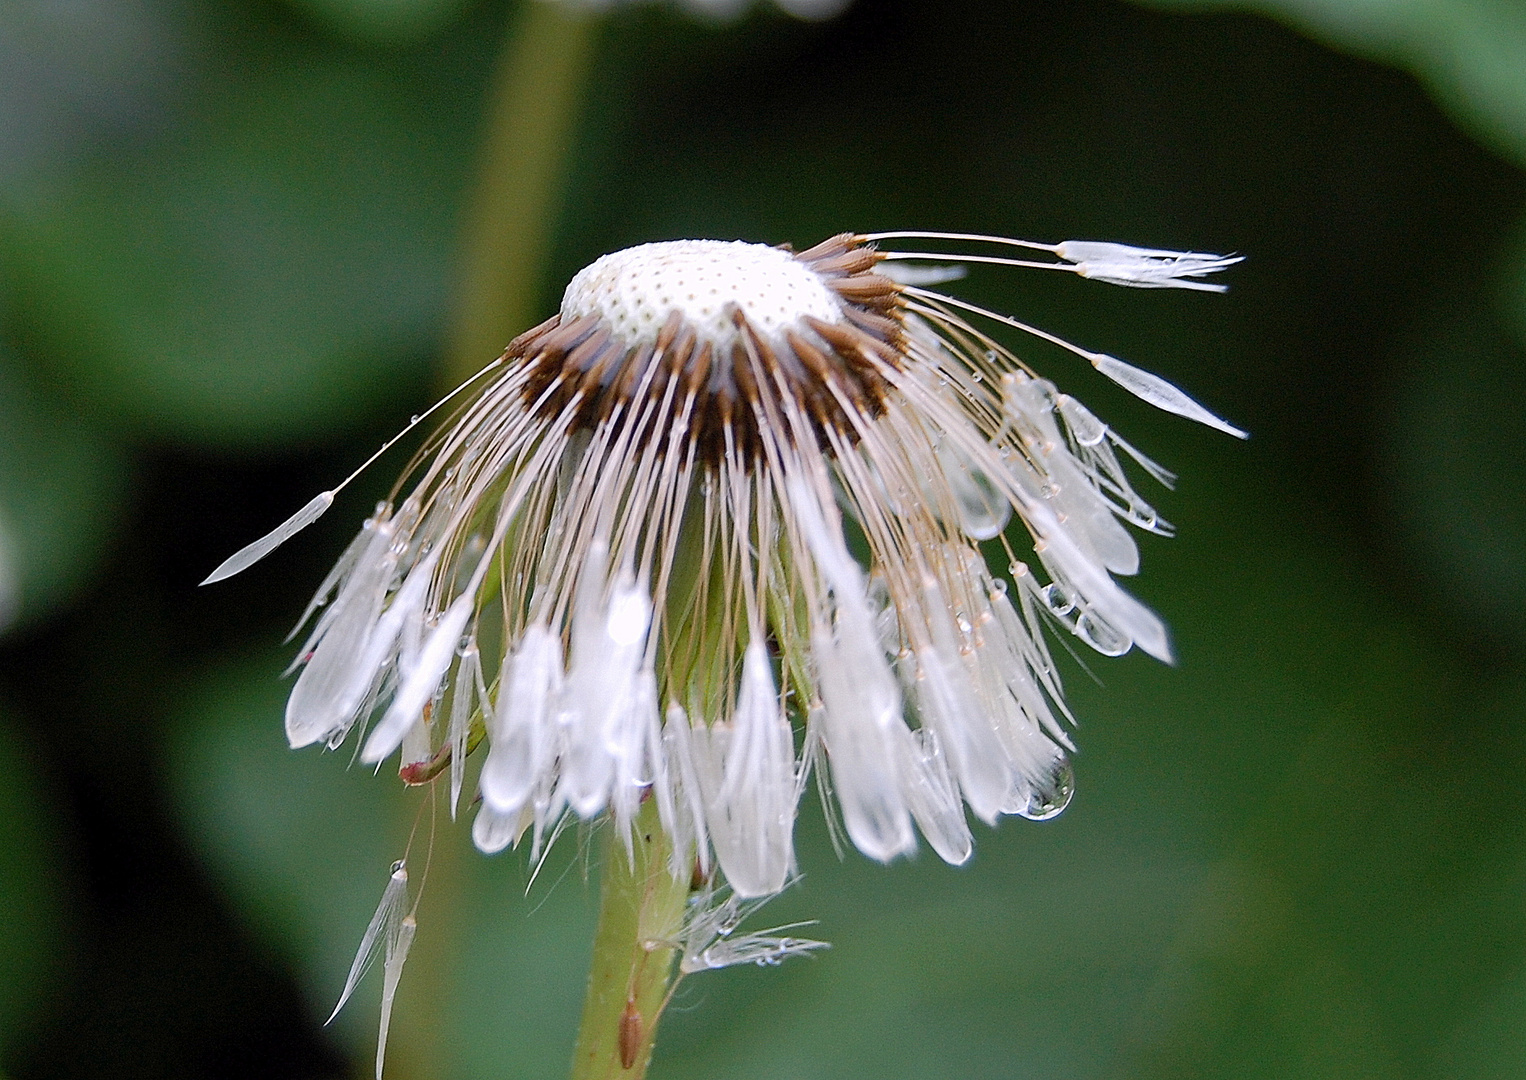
532 113
639 919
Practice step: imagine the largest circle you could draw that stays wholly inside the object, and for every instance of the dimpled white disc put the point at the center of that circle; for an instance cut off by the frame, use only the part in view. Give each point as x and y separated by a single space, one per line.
634 291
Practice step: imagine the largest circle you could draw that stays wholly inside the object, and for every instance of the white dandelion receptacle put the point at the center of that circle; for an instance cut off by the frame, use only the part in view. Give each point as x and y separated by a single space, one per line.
717 524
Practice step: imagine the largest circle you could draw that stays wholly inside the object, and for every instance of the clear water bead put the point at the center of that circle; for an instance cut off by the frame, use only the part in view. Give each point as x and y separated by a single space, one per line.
1051 800
1057 600
1102 637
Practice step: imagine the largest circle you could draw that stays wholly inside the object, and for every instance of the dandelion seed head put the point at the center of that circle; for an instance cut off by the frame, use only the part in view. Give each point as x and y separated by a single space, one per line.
624 567
624 570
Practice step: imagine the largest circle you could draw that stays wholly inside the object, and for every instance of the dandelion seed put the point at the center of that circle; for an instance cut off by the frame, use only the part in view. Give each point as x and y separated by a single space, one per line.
1116 264
1145 268
392 974
247 556
1160 393
710 941
382 933
468 691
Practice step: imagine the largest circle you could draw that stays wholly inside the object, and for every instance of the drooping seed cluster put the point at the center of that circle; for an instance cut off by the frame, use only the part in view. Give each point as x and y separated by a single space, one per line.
635 565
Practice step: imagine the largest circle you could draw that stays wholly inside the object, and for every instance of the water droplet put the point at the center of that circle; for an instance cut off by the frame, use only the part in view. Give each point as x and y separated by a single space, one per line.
1057 600
399 865
1102 637
1050 800
1086 428
415 418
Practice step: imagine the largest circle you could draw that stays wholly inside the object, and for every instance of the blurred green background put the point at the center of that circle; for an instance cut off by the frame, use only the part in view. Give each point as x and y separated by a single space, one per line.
233 240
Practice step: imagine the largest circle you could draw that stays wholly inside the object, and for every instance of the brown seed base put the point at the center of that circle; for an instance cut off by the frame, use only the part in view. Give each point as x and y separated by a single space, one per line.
822 369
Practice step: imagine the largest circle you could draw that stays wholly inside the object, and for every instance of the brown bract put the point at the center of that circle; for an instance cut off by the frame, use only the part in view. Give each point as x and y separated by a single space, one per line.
825 369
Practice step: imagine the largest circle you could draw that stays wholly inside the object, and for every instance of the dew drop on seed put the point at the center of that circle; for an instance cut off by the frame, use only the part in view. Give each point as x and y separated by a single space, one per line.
1057 600
1050 800
1102 637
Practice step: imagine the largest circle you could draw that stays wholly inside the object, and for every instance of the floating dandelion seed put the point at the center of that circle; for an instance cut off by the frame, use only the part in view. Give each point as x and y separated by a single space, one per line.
628 565
390 933
710 940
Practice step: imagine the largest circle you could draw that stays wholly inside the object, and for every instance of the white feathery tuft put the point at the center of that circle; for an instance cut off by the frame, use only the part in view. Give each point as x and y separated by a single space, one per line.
1144 268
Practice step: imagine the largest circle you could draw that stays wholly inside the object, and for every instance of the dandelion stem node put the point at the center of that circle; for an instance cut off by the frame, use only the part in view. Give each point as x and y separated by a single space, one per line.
640 904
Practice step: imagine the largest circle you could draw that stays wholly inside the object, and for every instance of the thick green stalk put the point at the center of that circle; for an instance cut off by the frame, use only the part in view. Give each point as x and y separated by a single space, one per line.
532 114
640 914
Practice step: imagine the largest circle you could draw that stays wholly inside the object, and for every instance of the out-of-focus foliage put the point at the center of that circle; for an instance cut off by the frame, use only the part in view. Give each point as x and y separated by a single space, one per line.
497 979
70 73
385 22
226 237
62 493
263 270
1488 1045
1471 54
34 946
1459 437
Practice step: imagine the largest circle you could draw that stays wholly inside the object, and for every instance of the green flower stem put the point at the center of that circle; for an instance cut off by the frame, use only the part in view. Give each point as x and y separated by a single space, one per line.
532 113
640 914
